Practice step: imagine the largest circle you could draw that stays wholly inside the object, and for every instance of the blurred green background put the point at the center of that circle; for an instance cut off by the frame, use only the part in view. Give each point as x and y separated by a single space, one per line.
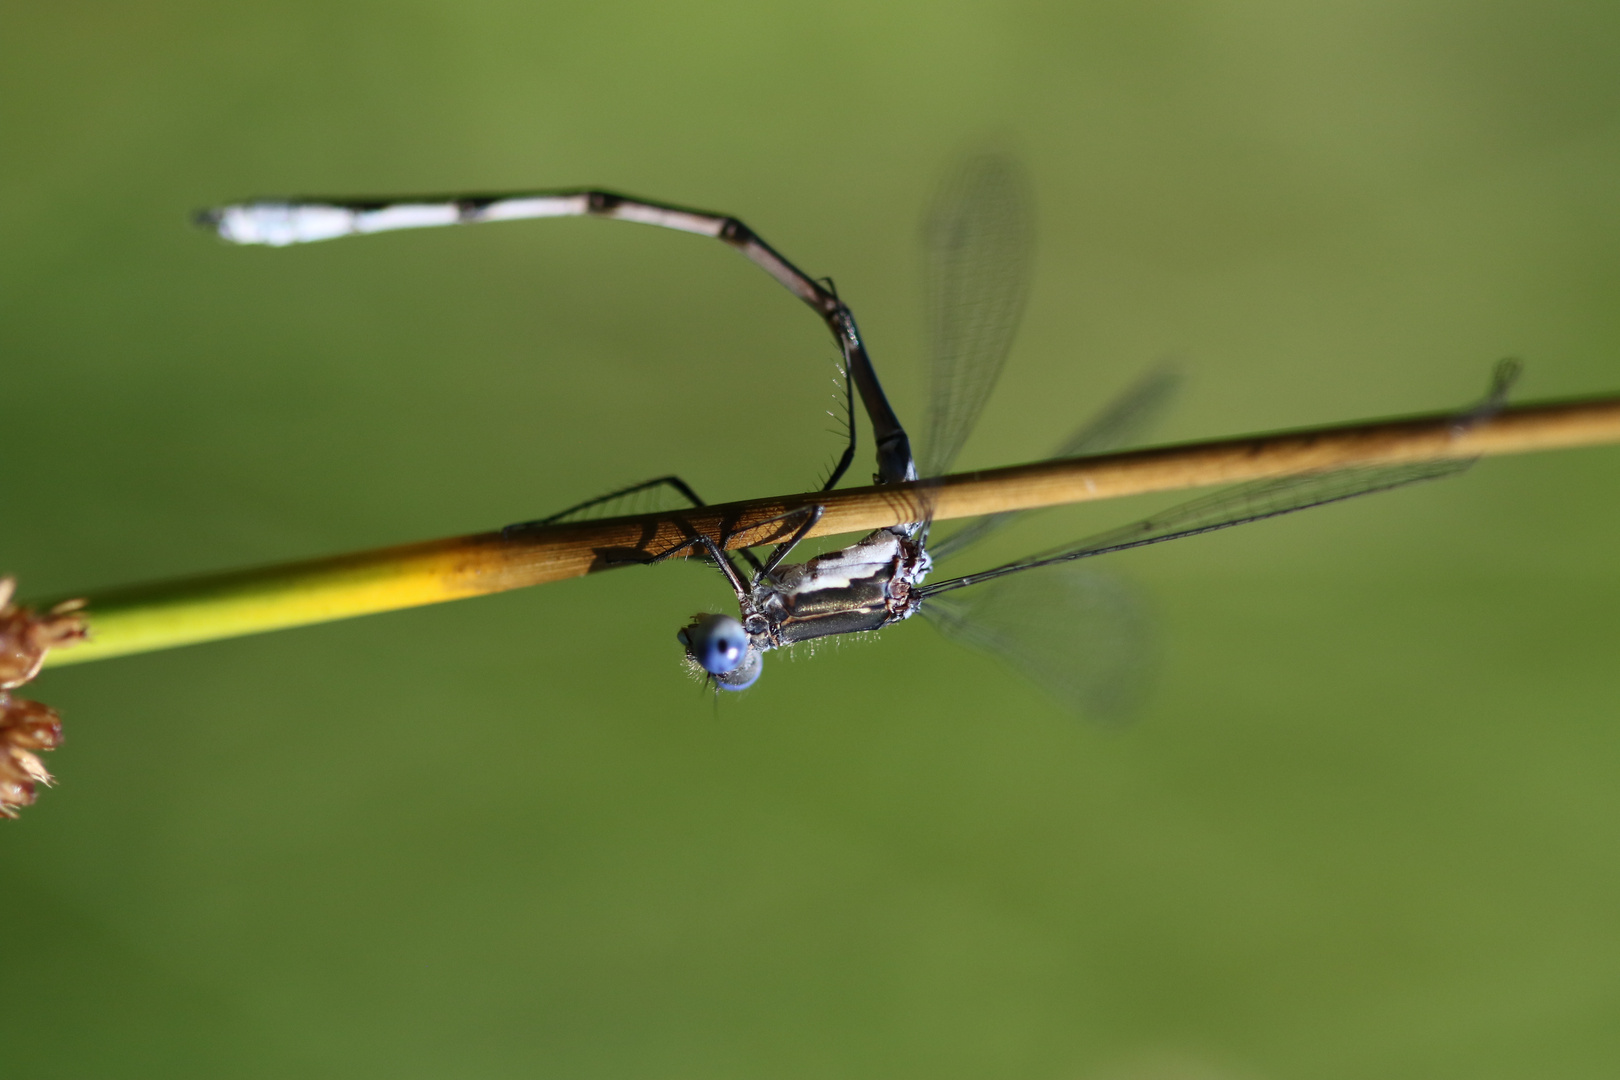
1368 826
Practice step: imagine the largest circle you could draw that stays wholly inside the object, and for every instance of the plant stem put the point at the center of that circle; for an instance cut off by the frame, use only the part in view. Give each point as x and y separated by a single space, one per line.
189 610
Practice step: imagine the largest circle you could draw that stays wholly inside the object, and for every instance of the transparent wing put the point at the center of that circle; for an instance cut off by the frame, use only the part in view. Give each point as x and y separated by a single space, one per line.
979 238
1082 634
1126 418
1121 423
1233 506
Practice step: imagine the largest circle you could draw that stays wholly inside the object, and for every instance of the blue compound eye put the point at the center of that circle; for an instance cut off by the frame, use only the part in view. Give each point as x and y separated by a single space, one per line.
718 643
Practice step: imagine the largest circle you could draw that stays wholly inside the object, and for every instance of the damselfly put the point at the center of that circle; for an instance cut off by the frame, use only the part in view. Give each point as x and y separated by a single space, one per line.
1070 629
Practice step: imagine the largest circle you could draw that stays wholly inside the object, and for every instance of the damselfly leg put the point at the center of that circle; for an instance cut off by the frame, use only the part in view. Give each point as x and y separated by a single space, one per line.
805 516
716 553
674 483
623 501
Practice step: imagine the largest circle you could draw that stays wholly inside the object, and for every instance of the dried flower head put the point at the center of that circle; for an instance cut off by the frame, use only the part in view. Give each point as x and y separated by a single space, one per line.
27 726
25 637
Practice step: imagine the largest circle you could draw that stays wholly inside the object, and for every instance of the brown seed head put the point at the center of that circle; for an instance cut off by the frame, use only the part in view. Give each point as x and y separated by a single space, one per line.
15 794
25 636
26 726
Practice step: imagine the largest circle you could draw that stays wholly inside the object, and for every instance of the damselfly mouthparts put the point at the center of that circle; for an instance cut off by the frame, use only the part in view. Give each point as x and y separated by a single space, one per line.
1070 629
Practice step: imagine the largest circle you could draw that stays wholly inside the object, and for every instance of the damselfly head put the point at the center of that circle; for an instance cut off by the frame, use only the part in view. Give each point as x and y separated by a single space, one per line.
719 645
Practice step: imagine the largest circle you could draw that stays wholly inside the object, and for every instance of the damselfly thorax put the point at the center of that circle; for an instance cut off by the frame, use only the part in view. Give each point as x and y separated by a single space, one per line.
865 586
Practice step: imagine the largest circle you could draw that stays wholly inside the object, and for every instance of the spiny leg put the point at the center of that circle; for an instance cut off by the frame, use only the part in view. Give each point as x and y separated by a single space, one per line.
812 514
848 456
675 483
721 559
679 486
294 221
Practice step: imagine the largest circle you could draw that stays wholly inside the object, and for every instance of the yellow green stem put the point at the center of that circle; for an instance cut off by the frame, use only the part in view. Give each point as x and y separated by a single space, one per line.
189 610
